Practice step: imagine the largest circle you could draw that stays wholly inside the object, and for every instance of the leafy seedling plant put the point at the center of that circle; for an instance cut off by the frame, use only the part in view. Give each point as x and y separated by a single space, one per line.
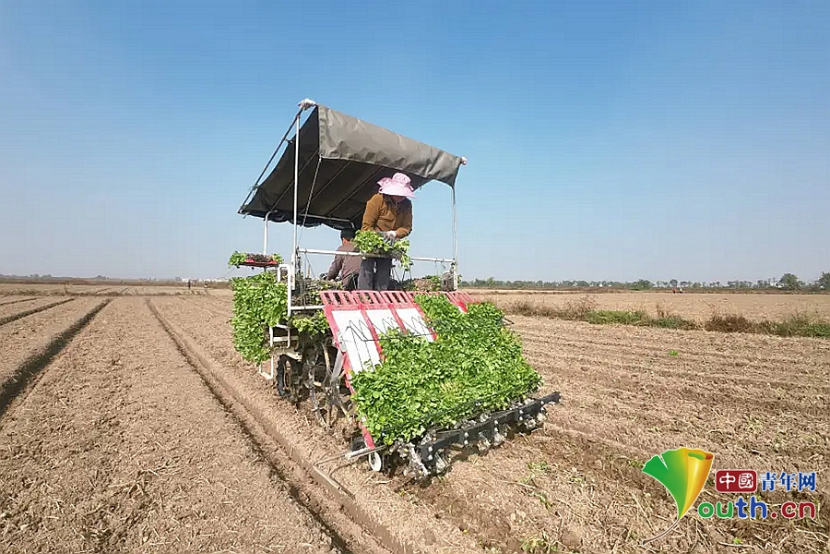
239 258
315 325
260 302
371 242
474 365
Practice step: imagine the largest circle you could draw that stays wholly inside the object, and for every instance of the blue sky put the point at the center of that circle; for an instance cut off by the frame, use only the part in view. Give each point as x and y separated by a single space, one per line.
605 140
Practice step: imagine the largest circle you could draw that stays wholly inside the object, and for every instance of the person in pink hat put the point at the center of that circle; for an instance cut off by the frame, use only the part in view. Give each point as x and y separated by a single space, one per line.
388 212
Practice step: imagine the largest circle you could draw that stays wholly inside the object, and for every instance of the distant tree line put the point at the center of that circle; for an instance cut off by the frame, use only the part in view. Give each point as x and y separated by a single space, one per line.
788 281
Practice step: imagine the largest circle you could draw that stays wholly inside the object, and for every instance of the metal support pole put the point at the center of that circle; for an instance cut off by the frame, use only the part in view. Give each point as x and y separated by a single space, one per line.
454 241
296 183
265 235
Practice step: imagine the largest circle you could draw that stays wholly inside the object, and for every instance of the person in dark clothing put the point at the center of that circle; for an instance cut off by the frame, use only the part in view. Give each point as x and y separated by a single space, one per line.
347 267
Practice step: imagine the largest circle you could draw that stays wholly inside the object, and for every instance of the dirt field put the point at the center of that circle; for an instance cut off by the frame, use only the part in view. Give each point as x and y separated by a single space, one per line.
699 307
16 291
138 428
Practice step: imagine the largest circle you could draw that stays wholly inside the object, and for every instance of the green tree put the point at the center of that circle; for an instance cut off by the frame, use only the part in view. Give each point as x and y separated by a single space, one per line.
824 280
642 284
788 281
673 283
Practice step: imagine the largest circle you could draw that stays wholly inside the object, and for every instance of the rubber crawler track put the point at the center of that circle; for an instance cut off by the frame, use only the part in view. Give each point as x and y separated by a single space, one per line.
227 396
19 315
27 371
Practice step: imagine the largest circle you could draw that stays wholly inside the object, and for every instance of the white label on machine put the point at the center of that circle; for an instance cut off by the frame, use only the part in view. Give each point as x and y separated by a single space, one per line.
382 319
414 322
356 339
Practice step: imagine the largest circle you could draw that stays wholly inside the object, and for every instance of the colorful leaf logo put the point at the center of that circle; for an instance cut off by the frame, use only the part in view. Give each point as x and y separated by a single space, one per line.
683 472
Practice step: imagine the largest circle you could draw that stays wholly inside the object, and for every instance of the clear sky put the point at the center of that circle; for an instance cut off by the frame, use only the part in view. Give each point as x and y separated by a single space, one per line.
606 140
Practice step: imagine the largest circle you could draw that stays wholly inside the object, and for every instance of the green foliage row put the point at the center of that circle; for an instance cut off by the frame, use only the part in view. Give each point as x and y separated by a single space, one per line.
371 242
259 301
625 317
315 325
475 365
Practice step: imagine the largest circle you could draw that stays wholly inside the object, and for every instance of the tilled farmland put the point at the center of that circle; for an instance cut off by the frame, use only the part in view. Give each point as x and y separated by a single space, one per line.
698 307
131 424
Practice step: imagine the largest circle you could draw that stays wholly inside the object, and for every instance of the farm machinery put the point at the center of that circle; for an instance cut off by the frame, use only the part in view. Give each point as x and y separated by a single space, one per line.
325 338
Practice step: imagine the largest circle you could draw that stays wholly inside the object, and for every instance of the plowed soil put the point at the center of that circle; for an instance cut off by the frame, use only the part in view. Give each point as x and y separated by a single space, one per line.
4 301
8 310
206 322
24 338
699 307
120 446
14 291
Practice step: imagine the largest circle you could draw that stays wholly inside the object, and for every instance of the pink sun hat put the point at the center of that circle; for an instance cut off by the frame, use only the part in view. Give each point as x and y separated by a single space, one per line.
398 185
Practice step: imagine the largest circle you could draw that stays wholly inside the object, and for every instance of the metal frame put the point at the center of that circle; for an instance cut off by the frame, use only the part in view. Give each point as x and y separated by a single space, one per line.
363 255
272 340
296 251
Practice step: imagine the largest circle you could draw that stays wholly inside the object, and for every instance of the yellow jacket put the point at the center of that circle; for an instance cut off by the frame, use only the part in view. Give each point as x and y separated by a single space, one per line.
387 216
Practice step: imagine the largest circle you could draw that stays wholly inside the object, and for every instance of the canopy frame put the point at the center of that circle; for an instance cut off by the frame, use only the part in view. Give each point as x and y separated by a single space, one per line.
426 163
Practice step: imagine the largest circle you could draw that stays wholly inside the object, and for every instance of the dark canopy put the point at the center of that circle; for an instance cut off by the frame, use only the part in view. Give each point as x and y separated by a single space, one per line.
341 160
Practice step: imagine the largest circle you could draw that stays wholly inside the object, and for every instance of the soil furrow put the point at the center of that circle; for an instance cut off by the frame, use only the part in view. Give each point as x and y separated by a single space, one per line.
14 308
803 372
20 339
748 440
680 371
373 493
210 305
813 370
119 447
576 484
17 300
16 383
321 508
710 346
19 315
613 376
691 306
651 410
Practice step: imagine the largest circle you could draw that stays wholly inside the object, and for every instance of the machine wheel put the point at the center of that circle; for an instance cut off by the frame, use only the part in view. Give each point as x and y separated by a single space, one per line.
312 376
287 377
375 461
338 401
329 398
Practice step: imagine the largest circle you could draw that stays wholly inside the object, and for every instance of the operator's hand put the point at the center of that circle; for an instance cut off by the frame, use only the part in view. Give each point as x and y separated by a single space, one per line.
390 235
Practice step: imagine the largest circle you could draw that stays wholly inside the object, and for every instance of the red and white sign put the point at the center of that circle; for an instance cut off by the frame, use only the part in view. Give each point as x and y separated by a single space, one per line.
736 480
